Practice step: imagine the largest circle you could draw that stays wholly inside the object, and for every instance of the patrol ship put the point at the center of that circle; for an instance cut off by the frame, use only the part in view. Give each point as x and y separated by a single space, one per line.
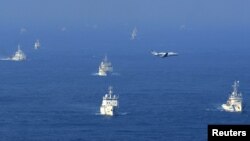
109 103
37 44
234 102
134 33
19 55
105 67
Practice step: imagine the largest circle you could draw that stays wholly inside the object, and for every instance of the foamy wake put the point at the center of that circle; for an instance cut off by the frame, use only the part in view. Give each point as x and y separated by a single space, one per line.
116 74
4 59
215 108
97 114
94 74
113 74
118 114
123 114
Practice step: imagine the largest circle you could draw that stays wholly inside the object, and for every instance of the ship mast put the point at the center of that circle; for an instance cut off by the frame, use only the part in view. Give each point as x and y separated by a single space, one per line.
18 47
105 59
235 88
110 91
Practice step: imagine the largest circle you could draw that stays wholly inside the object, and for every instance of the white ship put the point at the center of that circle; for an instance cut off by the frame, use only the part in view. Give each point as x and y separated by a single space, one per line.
105 67
37 44
109 104
234 102
134 33
19 55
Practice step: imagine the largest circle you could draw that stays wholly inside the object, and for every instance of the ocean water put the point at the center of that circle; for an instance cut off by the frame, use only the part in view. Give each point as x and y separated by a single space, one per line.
54 95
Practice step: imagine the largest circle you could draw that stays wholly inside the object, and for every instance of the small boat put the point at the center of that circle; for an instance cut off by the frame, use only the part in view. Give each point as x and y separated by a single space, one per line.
134 33
109 103
105 67
37 44
19 55
234 102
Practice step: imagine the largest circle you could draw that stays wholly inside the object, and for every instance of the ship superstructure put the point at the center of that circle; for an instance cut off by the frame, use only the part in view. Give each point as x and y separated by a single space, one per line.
109 103
37 44
105 67
234 102
19 55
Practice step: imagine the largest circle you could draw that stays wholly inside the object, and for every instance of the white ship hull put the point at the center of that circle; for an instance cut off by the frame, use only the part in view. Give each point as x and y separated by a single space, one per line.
102 73
18 58
109 104
107 110
232 108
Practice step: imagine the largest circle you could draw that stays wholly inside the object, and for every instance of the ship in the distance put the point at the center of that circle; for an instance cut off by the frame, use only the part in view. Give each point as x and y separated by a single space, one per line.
19 55
37 44
105 67
234 102
109 103
134 34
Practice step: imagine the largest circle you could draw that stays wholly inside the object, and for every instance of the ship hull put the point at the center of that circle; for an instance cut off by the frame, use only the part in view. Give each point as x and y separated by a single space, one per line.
100 73
232 108
107 110
17 59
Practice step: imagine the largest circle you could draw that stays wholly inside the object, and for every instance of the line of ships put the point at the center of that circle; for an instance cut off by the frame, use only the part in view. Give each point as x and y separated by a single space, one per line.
234 103
110 102
103 68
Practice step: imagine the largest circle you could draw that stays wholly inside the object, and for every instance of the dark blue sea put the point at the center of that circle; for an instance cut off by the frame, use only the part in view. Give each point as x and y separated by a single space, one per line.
55 96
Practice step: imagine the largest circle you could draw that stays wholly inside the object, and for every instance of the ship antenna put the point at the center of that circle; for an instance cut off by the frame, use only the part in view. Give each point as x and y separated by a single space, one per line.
110 90
105 58
235 87
18 47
